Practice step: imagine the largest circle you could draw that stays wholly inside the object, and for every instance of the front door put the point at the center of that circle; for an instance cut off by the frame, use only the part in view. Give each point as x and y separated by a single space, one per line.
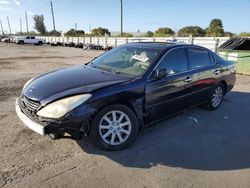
169 94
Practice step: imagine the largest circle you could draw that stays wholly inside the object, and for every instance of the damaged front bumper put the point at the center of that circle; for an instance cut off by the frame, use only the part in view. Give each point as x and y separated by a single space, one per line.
39 128
73 122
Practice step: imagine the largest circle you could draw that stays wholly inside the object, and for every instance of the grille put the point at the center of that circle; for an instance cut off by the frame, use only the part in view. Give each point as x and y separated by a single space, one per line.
30 104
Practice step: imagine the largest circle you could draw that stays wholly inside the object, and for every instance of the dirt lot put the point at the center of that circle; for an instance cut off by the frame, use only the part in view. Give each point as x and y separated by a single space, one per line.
178 152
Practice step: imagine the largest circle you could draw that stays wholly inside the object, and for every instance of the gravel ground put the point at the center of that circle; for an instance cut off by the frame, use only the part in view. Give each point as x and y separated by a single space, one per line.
213 151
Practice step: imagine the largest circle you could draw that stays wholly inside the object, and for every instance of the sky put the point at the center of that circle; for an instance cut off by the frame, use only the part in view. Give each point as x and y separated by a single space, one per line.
140 15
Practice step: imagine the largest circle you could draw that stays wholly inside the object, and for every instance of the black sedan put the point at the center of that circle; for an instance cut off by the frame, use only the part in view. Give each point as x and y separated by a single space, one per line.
114 95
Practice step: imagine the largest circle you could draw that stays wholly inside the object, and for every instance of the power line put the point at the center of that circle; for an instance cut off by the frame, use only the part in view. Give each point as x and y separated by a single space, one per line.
9 24
53 17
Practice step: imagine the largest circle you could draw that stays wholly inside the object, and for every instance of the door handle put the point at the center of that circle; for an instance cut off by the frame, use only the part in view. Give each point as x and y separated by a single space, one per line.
217 71
188 79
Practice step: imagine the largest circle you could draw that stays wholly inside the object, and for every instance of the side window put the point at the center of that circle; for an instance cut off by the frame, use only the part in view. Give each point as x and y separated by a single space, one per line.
198 58
32 37
212 59
175 61
27 37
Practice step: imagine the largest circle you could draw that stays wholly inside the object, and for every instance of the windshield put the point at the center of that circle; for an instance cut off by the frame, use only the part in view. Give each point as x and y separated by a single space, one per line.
127 60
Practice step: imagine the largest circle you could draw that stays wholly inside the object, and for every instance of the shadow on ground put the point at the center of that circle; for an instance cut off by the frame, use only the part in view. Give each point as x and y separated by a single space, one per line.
219 141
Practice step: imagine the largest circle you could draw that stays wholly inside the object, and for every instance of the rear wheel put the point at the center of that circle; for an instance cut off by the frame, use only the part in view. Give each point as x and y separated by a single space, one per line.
21 42
40 43
114 128
216 97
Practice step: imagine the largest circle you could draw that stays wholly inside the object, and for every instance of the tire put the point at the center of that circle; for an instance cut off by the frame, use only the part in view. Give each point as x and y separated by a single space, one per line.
216 97
114 134
21 42
40 43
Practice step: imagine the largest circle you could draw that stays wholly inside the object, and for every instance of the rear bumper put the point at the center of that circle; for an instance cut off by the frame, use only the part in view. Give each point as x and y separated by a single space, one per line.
39 128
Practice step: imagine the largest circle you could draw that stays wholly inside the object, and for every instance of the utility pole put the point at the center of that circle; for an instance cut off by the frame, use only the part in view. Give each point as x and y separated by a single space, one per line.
9 24
121 18
1 27
21 27
53 17
75 26
27 24
89 28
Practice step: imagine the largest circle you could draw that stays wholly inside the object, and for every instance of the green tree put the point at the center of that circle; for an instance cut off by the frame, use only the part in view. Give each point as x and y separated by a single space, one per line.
30 33
195 31
54 33
244 34
215 29
164 32
228 34
149 34
39 24
126 35
74 33
100 32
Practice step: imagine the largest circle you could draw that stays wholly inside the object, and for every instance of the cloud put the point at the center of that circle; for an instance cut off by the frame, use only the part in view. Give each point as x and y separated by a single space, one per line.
5 2
17 2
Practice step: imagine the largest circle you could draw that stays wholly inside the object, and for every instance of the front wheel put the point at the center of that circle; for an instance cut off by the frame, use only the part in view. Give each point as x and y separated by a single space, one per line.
115 127
216 97
40 43
20 42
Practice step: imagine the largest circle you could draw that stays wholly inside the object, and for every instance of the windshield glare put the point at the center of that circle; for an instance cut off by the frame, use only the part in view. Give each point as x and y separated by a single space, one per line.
128 60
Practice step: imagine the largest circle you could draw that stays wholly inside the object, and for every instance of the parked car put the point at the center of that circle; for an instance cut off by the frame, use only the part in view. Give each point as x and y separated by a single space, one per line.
2 37
6 39
123 90
29 40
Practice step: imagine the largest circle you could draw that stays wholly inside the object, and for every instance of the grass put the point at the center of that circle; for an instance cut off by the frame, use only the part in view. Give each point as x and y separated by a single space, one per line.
243 63
243 67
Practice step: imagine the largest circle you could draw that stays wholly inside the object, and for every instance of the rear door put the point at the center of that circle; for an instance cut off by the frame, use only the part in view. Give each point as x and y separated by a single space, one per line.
33 40
203 65
169 94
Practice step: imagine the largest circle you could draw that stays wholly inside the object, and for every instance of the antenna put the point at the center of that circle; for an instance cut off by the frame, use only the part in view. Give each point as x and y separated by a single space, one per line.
9 24
53 17
27 24
1 27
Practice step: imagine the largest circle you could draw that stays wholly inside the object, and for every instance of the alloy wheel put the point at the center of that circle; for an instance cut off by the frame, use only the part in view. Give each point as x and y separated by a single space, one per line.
217 96
115 127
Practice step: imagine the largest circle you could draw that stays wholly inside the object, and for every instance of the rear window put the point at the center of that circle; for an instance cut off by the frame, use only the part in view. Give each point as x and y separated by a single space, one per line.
198 58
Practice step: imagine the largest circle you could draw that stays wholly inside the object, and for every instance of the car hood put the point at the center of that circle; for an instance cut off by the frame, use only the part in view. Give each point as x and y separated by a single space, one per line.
70 81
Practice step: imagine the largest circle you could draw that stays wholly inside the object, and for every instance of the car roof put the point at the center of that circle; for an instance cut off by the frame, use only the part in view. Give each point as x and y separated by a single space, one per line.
159 45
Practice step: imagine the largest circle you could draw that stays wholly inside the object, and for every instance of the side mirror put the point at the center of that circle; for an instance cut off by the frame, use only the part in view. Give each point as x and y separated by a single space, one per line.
160 73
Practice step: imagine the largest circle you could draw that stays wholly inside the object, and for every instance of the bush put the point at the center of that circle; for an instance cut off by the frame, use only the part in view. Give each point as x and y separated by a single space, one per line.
75 33
164 32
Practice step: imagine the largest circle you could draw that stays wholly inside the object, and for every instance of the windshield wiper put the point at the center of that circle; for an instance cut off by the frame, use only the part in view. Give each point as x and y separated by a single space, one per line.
110 69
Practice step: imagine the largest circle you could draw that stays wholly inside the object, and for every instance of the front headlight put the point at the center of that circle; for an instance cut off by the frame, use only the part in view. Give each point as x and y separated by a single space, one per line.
59 108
